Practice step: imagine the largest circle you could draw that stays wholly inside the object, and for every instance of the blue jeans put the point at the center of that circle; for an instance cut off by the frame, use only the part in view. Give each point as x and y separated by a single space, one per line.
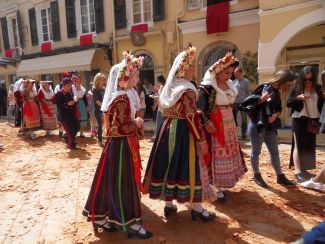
271 142
10 112
98 116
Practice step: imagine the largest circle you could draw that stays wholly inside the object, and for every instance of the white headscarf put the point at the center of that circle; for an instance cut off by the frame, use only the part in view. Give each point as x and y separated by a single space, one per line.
111 91
47 95
223 97
175 86
17 85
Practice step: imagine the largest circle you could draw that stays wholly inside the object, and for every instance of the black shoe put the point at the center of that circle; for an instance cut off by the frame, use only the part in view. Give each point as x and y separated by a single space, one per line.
208 218
137 233
106 227
60 134
300 178
259 180
281 179
169 210
73 147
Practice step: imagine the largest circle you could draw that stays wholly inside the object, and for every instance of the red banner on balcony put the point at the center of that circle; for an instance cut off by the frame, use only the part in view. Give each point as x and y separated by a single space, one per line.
217 19
86 39
8 53
143 28
46 47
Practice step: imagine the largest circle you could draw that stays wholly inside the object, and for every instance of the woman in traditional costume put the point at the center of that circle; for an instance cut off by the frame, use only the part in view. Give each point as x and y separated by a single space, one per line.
225 165
114 198
81 93
45 99
173 170
31 113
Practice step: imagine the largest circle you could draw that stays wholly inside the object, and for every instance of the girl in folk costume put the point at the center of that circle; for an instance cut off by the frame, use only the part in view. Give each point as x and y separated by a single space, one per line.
173 170
81 93
114 198
31 114
45 98
224 165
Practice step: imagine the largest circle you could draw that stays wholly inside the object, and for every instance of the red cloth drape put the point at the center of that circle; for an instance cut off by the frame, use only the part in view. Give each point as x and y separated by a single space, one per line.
86 39
46 46
217 18
141 27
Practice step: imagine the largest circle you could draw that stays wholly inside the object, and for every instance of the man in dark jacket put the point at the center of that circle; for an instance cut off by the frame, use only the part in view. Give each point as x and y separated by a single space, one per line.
66 104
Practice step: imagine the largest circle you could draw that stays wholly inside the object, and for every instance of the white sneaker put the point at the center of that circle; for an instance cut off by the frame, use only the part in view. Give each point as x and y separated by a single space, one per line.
312 184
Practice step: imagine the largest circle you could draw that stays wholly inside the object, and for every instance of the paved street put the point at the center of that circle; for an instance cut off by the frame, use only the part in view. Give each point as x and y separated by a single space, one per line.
43 187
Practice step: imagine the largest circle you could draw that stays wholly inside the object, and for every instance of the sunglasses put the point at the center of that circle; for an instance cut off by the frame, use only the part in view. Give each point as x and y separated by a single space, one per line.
308 79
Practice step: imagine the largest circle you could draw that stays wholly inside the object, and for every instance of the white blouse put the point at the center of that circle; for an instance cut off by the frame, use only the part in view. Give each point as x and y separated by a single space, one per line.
310 104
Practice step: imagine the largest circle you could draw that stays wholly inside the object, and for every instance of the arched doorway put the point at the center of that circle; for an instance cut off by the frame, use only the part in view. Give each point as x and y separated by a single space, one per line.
212 53
147 72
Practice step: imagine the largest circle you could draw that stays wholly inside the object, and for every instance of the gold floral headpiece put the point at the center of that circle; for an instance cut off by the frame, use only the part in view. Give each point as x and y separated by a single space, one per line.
186 62
131 65
223 63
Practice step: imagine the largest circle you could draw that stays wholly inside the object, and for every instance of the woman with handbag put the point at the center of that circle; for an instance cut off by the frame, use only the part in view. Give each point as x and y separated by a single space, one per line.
306 101
264 124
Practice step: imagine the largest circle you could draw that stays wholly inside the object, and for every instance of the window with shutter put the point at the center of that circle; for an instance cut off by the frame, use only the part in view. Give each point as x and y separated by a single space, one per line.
99 16
46 22
120 14
71 18
158 10
87 10
33 26
13 33
20 30
55 19
5 36
141 11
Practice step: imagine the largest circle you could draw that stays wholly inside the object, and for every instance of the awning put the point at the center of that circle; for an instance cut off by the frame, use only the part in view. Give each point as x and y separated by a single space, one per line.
77 61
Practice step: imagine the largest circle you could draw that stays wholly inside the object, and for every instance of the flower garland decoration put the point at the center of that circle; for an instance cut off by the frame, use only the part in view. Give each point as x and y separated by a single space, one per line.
131 65
186 62
223 63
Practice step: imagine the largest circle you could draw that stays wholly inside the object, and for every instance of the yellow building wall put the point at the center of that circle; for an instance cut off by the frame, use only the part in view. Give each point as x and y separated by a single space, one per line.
270 4
313 35
103 37
237 7
271 25
155 45
236 35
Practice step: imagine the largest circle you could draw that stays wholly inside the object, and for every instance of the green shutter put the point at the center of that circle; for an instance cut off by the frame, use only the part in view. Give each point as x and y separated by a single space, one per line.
5 36
33 26
55 18
99 15
20 30
158 10
71 18
120 14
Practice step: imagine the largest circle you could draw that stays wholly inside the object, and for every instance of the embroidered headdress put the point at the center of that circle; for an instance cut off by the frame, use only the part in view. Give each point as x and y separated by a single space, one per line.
224 63
129 65
187 61
176 85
